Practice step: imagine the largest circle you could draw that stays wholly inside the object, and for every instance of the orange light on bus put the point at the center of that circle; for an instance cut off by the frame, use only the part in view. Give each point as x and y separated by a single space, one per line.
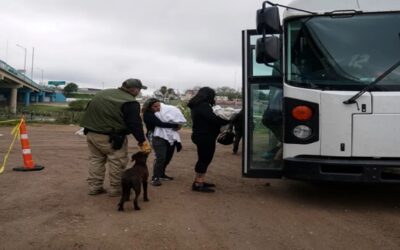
302 113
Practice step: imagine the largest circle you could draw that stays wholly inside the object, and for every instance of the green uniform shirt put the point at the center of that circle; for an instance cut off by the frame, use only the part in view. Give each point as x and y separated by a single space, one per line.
104 112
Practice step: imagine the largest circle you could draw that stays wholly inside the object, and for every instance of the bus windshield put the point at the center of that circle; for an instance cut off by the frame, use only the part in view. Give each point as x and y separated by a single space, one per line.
343 52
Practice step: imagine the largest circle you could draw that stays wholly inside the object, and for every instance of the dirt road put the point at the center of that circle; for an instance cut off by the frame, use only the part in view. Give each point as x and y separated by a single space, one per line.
50 209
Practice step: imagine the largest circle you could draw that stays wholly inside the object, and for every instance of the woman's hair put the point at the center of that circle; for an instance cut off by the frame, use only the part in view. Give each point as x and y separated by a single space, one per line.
205 94
148 103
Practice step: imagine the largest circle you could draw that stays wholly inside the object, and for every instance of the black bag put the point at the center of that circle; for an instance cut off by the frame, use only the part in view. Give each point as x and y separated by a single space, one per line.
226 137
117 141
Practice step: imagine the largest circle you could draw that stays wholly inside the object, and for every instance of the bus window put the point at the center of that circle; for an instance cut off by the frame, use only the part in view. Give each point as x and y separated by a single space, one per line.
260 69
265 127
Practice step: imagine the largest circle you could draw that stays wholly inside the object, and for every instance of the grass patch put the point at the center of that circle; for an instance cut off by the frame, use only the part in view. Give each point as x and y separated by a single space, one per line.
37 108
46 114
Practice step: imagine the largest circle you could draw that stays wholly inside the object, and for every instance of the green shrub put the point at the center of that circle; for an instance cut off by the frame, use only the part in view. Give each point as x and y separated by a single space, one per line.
186 112
81 96
78 105
69 117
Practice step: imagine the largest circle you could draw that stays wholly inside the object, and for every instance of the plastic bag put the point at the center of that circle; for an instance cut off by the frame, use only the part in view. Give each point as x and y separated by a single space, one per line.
80 132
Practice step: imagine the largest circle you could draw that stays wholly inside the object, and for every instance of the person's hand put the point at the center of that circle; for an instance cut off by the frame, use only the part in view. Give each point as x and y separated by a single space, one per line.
178 146
145 147
178 128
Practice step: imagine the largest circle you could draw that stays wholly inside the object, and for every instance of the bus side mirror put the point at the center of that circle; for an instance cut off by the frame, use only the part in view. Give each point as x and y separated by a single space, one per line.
268 21
268 49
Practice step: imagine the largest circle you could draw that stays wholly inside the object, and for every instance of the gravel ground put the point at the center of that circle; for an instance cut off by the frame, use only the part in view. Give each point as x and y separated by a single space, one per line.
50 209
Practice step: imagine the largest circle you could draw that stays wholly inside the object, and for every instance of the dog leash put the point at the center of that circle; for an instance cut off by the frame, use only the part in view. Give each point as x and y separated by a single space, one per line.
15 133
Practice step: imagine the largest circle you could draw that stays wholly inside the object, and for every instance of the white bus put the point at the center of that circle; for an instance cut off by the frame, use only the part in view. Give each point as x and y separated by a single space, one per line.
322 91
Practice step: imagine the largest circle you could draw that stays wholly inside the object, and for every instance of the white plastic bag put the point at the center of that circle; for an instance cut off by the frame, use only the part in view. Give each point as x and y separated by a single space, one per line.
225 113
80 132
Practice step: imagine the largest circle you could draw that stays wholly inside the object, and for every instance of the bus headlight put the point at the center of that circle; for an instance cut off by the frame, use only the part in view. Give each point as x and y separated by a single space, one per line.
302 131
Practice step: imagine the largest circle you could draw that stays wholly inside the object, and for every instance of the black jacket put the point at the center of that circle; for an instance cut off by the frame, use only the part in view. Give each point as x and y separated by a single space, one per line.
205 122
131 113
152 121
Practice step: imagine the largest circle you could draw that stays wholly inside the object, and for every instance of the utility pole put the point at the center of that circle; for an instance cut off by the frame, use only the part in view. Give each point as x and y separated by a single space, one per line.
24 57
33 56
7 51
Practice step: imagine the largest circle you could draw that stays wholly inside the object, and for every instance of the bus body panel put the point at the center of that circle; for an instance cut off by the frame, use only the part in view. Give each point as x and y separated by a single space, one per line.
321 7
376 135
336 121
386 102
292 150
374 6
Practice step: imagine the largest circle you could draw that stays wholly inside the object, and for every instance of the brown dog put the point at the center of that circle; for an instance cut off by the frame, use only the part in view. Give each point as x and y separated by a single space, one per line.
132 178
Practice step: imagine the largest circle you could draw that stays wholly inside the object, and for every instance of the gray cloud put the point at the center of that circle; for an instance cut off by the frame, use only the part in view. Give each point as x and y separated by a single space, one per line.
178 42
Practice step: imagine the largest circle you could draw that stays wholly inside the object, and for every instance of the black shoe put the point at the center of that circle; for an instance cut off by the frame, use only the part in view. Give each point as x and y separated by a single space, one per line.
200 187
208 184
156 182
167 178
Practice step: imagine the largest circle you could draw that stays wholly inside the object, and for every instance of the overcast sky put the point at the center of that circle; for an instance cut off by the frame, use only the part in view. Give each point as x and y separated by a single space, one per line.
96 43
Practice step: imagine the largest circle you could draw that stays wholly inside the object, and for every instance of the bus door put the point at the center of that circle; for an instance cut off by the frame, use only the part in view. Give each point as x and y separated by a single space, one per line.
262 103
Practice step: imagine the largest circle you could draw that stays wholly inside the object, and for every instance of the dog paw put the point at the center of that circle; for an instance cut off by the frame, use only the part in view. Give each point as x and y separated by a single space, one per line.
120 209
137 208
146 199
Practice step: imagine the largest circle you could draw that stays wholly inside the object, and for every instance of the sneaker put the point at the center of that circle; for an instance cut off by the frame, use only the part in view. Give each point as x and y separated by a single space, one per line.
167 178
97 191
156 182
202 188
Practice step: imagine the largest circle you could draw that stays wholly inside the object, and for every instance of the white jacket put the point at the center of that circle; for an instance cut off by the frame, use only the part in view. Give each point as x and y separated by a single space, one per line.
170 114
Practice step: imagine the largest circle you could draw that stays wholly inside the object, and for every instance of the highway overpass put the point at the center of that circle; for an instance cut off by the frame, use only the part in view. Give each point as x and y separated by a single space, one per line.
16 88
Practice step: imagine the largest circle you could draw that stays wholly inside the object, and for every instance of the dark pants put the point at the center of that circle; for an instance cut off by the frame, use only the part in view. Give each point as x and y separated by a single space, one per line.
205 151
238 137
163 152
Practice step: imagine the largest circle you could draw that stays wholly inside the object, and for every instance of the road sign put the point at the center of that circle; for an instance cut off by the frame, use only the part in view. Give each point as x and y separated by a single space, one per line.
56 83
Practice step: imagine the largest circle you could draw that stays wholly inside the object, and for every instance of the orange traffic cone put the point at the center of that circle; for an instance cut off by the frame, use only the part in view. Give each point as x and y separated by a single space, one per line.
29 164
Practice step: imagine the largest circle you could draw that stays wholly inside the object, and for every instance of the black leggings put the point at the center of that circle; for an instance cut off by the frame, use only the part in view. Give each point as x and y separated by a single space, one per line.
205 151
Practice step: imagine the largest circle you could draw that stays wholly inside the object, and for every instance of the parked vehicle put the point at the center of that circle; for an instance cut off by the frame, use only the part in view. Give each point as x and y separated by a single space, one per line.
322 91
